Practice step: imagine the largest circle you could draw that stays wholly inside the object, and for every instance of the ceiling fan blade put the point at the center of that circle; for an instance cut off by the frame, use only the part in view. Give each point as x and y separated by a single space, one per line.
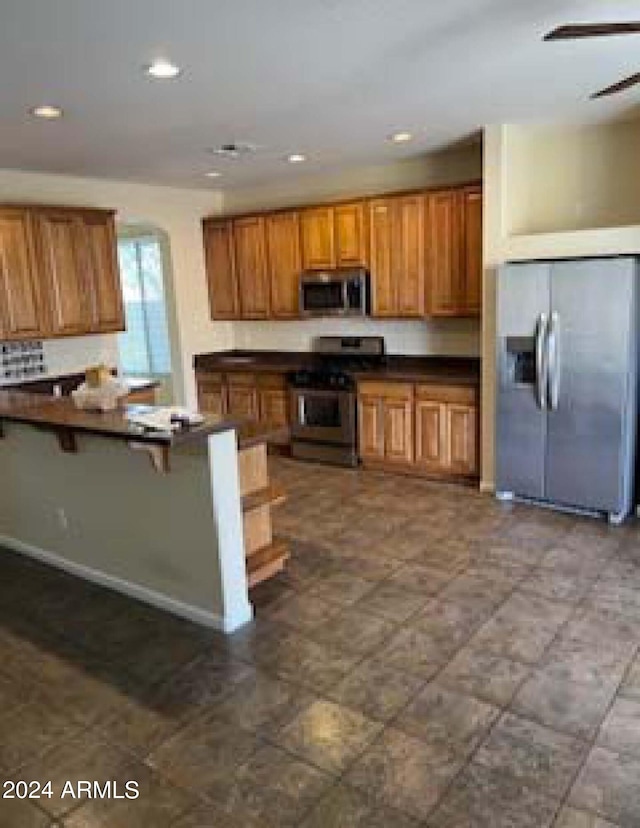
574 31
627 83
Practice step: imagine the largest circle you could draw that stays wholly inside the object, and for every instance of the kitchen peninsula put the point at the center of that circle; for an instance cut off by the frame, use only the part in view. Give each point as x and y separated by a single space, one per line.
170 532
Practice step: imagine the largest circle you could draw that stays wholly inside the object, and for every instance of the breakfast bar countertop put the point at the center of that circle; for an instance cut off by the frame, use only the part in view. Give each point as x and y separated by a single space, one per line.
59 414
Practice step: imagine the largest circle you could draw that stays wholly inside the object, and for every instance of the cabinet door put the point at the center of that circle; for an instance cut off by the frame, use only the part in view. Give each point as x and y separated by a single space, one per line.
370 428
380 263
443 251
472 252
408 255
103 276
431 435
242 396
221 276
462 436
242 402
212 398
21 312
274 406
318 238
285 263
351 241
61 247
251 267
398 430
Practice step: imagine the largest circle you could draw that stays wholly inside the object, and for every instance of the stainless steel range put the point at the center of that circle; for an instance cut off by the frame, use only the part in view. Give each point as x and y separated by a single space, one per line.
323 398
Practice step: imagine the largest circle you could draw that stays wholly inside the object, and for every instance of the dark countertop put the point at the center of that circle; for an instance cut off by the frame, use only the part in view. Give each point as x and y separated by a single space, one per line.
69 382
438 369
59 414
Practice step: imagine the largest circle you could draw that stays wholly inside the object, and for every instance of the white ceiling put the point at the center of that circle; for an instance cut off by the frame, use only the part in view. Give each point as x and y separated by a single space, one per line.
329 78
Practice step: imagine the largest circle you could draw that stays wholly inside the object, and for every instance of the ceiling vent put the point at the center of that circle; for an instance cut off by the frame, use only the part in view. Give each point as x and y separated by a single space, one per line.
234 149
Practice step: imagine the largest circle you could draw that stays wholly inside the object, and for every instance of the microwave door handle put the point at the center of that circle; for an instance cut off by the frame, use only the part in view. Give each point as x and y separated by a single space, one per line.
345 296
302 415
542 364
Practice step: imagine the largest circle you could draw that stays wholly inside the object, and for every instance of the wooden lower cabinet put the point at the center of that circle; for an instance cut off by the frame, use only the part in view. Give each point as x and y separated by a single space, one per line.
212 395
398 430
250 396
242 396
462 438
424 429
385 422
431 441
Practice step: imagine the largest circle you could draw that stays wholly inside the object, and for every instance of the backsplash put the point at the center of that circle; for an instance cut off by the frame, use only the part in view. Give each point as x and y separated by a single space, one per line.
60 356
449 337
22 361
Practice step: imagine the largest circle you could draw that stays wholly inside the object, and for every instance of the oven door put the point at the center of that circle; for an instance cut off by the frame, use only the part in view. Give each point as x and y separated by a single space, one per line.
323 416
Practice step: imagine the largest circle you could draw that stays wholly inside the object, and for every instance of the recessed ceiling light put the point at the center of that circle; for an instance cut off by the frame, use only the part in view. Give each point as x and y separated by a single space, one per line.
47 111
401 137
296 158
163 70
213 174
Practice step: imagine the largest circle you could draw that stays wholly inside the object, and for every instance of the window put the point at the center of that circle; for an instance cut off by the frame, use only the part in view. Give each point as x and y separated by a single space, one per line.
144 346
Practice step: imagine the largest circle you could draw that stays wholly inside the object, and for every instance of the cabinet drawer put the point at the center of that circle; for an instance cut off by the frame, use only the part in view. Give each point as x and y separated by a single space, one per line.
466 394
390 390
240 378
276 381
210 377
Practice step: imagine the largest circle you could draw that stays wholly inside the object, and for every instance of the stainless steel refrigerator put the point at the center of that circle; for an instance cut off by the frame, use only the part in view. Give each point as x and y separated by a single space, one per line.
567 366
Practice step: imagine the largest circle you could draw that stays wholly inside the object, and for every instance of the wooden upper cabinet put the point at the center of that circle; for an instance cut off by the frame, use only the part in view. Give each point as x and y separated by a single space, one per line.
409 255
443 251
103 276
21 312
250 247
350 234
396 244
380 244
318 238
285 263
472 253
423 250
62 253
221 275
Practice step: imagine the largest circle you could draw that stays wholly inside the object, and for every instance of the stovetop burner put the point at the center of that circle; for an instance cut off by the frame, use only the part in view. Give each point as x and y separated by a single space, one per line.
335 359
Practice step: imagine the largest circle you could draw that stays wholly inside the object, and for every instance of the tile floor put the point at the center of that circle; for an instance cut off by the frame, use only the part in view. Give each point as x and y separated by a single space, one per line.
430 657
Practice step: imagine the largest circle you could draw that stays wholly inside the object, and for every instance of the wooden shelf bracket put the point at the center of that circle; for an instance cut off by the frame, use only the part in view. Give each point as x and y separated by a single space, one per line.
159 455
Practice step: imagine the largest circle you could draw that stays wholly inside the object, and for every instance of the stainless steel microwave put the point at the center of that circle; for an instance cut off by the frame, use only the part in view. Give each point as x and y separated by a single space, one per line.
342 292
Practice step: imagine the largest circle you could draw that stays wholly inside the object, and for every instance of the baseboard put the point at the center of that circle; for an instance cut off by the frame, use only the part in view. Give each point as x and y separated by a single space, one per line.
140 593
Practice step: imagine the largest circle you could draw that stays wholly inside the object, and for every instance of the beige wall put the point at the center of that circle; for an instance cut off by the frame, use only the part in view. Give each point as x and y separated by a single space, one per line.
114 515
552 193
432 170
178 214
455 337
572 177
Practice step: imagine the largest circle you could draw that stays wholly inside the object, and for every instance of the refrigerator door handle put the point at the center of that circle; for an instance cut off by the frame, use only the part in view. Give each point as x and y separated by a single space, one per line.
541 361
553 361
